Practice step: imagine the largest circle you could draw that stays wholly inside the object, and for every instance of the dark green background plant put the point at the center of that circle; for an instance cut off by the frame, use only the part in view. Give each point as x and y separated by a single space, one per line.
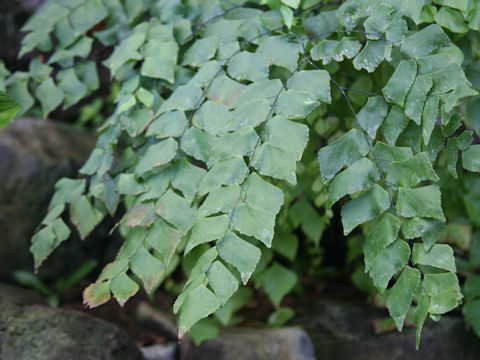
239 124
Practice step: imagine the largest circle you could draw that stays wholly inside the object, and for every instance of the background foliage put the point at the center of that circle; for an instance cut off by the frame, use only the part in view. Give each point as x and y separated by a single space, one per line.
239 124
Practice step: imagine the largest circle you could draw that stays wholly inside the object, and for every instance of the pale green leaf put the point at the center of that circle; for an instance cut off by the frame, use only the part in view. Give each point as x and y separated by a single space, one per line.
387 263
249 66
222 199
452 20
400 296
84 216
328 50
295 104
471 158
184 98
409 173
350 148
393 125
128 184
372 54
280 50
176 210
157 155
360 176
425 41
254 222
439 256
275 162
444 292
168 124
207 229
201 51
364 208
400 82
88 14
67 190
315 83
198 144
49 95
278 281
262 195
222 281
420 315
147 267
240 254
287 135
414 105
198 304
123 288
423 202
372 115
429 117
213 118
226 172
73 89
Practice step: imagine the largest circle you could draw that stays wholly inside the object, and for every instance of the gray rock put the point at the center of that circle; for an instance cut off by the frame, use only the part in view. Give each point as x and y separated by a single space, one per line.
153 319
160 352
41 333
344 331
252 344
34 154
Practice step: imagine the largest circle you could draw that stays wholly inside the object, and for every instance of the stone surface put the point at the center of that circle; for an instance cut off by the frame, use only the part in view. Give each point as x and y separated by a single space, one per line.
252 344
160 352
34 154
41 333
156 321
344 331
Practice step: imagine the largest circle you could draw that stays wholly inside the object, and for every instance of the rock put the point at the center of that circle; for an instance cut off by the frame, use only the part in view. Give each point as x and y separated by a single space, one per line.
34 154
41 333
153 319
20 296
344 331
252 344
160 352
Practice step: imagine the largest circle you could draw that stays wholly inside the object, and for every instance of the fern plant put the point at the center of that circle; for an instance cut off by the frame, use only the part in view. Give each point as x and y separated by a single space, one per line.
239 122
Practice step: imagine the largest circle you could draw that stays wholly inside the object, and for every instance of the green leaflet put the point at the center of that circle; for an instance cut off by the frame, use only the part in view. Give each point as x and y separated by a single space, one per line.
444 292
50 96
440 256
350 148
371 116
409 173
240 254
400 296
372 54
471 158
400 82
123 288
364 208
275 162
425 41
328 50
84 216
157 155
414 105
197 304
9 108
222 281
393 125
176 210
423 202
280 51
207 229
277 282
358 177
248 66
315 83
